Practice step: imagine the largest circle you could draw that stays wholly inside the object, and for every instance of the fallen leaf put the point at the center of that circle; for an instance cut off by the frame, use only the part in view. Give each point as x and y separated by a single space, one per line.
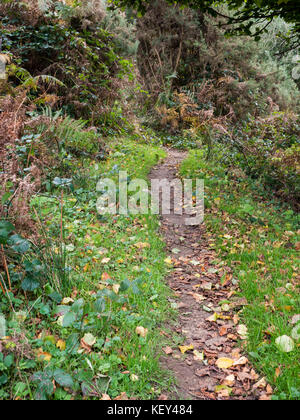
105 277
67 300
116 288
241 361
185 349
296 332
197 297
44 356
213 318
122 397
229 380
242 331
295 319
224 363
285 344
141 331
198 357
167 350
89 340
260 384
105 397
223 331
223 391
142 245
61 344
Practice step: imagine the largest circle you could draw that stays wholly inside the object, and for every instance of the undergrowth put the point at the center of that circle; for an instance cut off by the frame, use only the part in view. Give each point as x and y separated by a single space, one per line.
92 326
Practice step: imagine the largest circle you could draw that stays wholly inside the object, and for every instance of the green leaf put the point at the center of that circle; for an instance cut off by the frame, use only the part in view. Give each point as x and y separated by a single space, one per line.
6 229
78 305
62 182
69 319
3 379
29 284
63 378
56 297
19 244
9 360
2 326
45 387
99 305
125 285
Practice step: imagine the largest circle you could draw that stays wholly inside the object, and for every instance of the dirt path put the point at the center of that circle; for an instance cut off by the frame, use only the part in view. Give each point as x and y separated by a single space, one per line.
198 287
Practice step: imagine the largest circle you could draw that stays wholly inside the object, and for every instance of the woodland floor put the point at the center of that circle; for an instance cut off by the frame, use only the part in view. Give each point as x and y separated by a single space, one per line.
209 341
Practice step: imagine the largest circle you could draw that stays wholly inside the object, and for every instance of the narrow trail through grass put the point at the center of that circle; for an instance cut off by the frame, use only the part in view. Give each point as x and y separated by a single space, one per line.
209 364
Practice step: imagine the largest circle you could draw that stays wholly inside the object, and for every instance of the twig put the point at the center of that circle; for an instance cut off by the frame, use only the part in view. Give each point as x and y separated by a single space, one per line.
2 286
61 215
6 267
7 293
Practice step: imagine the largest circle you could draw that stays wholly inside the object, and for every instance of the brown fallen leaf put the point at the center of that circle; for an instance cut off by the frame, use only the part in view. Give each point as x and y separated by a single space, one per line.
277 373
122 397
264 397
260 384
105 397
163 397
223 331
167 350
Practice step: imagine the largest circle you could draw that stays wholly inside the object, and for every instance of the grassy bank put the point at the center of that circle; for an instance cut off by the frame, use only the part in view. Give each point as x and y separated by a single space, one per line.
259 239
88 327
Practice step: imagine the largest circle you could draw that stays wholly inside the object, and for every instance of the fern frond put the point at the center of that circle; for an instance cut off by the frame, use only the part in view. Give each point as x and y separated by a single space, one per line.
33 82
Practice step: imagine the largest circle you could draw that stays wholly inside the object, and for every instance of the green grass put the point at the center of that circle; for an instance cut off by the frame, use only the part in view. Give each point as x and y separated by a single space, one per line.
102 253
256 236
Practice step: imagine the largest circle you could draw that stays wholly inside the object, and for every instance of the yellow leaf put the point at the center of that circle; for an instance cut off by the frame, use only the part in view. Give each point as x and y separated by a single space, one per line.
61 344
43 356
50 339
67 300
184 349
213 318
142 245
224 363
168 261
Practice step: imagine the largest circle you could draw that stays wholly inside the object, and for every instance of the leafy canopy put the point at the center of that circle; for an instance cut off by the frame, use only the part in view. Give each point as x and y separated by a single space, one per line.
243 13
